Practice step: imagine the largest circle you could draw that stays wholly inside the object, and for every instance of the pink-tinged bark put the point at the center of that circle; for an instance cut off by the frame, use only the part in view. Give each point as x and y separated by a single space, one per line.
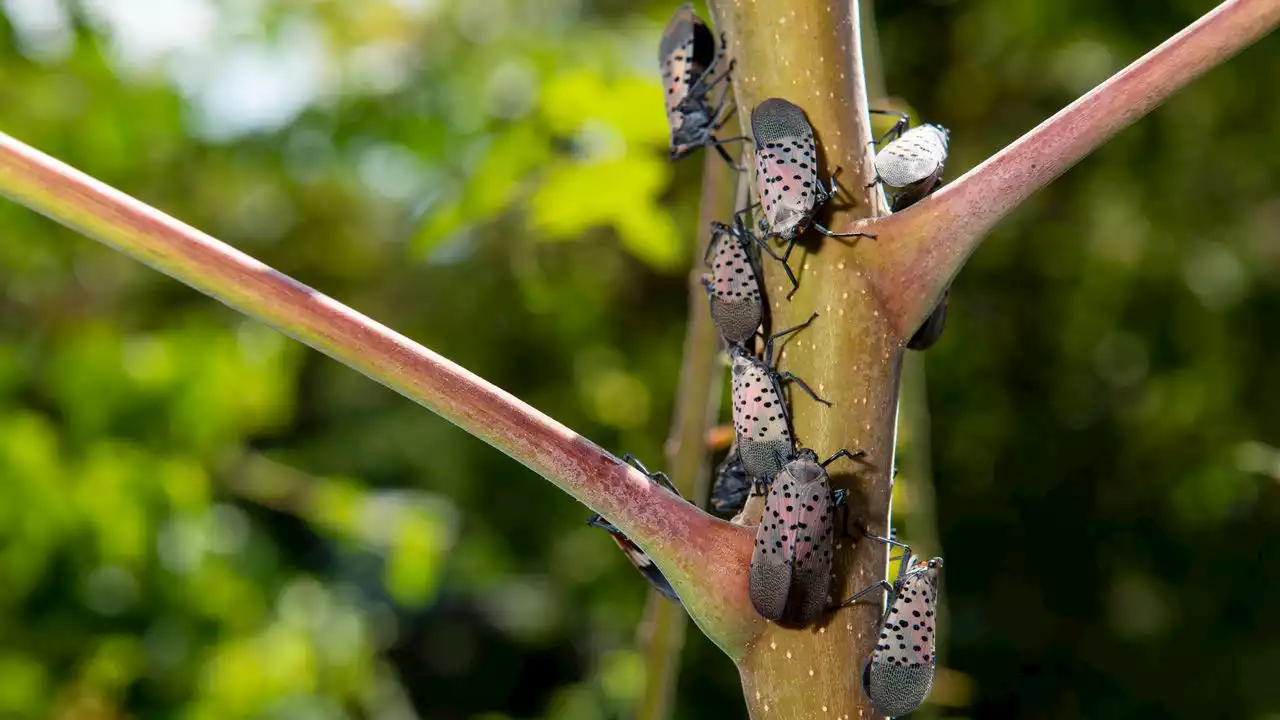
925 246
703 557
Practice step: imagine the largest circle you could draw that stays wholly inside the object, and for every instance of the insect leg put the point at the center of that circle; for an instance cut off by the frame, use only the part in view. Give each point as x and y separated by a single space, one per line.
720 106
904 122
701 86
736 167
658 477
795 284
839 497
726 141
889 541
718 122
768 344
713 141
828 192
599 521
711 68
829 233
737 216
843 453
809 391
634 462
906 552
714 82
888 588
786 254
831 191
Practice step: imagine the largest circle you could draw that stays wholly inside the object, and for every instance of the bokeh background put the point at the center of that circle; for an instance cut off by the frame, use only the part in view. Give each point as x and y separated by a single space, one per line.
201 519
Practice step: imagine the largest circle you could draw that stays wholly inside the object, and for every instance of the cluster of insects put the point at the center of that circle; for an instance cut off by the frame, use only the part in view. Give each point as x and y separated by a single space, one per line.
790 574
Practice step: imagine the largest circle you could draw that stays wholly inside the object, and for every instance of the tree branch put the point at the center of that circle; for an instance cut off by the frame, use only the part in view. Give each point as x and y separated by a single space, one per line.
920 250
704 558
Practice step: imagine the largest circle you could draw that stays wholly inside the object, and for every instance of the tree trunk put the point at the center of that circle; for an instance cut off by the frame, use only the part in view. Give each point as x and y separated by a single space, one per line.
808 52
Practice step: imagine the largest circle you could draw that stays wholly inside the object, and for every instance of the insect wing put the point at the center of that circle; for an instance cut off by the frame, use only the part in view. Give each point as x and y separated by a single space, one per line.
772 560
916 156
786 165
645 565
639 558
810 508
737 305
686 51
759 418
919 154
732 485
900 673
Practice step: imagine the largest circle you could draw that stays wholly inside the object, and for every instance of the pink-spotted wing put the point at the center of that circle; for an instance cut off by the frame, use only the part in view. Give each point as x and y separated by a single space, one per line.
791 563
737 305
686 51
814 539
899 675
786 166
760 422
772 561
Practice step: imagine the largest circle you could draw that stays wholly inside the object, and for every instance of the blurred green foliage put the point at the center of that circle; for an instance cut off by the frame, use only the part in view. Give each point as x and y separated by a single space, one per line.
202 519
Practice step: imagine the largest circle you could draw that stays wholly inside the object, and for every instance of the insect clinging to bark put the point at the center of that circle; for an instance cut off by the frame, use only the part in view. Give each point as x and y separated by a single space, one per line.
914 161
791 564
761 424
899 674
735 285
689 59
639 558
788 182
732 485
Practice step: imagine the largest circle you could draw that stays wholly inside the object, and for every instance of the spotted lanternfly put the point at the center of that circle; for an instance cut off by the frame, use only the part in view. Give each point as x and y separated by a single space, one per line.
639 557
688 58
732 485
791 564
734 285
787 180
899 674
914 162
761 425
